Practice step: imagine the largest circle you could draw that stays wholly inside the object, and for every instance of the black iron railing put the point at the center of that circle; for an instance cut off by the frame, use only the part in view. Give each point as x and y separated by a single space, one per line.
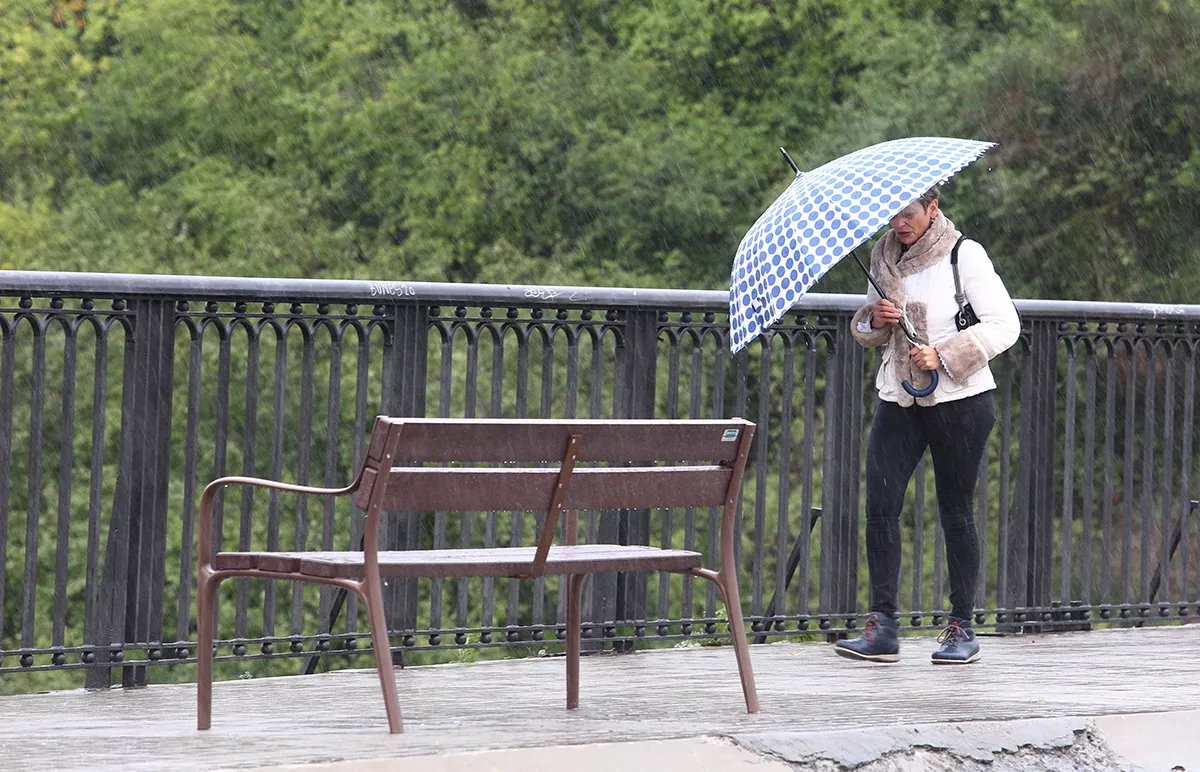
124 395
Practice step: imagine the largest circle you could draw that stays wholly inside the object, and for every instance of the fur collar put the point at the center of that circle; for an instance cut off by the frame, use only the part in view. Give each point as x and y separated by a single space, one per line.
890 262
889 265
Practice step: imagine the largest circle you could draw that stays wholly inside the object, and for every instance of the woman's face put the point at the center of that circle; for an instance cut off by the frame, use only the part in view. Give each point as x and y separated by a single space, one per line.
912 221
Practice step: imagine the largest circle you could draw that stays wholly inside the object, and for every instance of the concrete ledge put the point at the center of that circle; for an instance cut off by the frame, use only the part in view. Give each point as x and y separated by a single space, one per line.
699 754
1148 742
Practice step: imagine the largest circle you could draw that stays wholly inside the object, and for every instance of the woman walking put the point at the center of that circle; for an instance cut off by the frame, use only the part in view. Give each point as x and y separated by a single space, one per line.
912 264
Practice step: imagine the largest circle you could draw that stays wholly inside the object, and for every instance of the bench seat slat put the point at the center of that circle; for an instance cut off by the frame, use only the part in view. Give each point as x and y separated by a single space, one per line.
502 561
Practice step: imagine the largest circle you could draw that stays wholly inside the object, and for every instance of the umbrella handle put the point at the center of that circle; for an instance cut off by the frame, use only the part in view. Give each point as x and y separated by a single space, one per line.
925 392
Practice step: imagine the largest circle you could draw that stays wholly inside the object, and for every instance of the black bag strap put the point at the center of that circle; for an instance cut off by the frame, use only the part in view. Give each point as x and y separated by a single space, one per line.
960 297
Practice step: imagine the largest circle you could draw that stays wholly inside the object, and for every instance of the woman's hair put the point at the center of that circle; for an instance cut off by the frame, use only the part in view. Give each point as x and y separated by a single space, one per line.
929 196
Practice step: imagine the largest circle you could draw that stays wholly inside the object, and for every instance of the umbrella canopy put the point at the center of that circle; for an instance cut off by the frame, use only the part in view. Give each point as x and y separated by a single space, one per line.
824 215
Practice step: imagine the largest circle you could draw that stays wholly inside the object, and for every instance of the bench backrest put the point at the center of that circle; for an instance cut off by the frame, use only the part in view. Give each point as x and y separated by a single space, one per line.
647 464
703 458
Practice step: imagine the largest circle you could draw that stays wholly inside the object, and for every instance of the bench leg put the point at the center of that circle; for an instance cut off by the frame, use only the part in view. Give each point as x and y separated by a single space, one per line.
372 595
574 630
206 595
737 628
726 581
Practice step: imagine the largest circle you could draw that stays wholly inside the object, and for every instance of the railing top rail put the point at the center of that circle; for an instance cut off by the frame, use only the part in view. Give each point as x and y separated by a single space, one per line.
67 284
49 283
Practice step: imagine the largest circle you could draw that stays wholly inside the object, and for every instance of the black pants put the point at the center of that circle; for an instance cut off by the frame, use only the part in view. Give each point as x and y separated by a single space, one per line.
956 434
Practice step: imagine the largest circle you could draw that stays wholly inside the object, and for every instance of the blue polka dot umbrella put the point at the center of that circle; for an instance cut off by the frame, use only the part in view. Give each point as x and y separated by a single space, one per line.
825 215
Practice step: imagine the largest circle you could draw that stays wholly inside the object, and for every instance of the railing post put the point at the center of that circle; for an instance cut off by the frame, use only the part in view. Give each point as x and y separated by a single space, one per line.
131 609
1031 530
404 368
841 474
623 596
638 374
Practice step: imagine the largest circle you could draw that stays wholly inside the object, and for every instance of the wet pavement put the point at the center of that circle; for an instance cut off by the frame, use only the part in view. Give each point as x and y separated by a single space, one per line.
651 695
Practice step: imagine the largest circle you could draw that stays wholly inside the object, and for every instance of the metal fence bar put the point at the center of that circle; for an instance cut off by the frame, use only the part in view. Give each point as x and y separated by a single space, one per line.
114 584
719 411
517 519
1168 470
464 522
808 443
220 417
304 462
1004 510
498 335
275 499
1185 482
91 596
108 626
66 463
1043 430
545 410
1149 453
1089 461
674 337
249 445
190 460
7 367
696 335
1068 475
761 451
33 501
783 538
362 375
333 435
1130 459
1110 409
445 379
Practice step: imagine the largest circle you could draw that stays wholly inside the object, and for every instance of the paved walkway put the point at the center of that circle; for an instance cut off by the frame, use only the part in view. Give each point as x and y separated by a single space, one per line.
647 696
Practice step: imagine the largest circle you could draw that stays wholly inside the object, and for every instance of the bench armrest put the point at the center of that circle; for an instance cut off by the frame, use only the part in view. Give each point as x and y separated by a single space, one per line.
204 546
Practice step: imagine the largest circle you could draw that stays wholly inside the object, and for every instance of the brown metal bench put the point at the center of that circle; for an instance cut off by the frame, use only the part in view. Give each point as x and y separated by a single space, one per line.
647 465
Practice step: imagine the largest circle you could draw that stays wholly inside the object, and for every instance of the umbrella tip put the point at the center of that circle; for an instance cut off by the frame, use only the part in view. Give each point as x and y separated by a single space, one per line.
791 163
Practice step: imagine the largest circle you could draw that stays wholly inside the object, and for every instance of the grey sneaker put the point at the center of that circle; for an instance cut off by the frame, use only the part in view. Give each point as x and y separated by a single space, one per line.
959 646
879 642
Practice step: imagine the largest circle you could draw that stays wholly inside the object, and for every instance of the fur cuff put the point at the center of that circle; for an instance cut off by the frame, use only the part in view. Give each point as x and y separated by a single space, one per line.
962 356
874 338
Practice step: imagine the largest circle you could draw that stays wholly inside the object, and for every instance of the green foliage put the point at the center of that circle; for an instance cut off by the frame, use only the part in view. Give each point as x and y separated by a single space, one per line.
1092 193
583 142
1099 152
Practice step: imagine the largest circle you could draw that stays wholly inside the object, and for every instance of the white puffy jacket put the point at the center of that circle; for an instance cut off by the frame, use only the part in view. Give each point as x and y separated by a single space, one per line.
964 371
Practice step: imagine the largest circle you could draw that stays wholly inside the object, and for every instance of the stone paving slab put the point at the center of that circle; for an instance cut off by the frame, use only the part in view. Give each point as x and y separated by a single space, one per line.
646 696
